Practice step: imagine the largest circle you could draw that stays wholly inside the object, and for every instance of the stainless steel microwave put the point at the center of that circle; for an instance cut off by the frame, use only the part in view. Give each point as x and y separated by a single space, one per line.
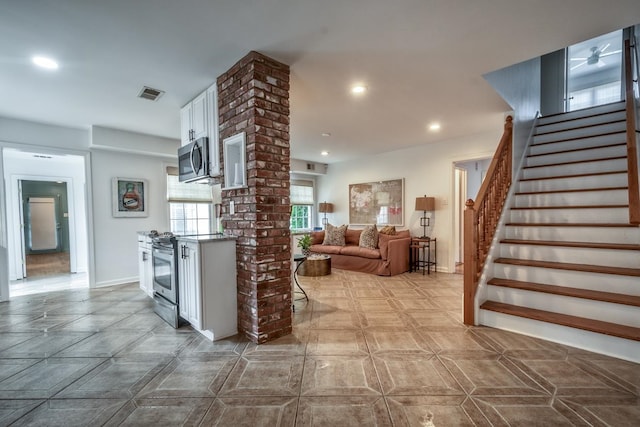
193 160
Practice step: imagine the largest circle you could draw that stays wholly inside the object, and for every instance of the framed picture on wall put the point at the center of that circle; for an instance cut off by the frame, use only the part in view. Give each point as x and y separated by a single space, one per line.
129 197
377 202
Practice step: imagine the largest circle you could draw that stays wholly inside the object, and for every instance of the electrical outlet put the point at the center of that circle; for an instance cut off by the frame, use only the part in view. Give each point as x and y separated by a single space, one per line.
232 207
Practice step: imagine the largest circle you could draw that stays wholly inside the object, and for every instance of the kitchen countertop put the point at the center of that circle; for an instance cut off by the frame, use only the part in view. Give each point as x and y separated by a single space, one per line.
206 237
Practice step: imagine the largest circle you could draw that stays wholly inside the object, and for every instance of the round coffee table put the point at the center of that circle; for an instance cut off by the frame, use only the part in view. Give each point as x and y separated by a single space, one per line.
315 265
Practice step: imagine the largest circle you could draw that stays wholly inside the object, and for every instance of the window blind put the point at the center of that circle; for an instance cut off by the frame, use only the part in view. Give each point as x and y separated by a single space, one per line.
301 192
186 192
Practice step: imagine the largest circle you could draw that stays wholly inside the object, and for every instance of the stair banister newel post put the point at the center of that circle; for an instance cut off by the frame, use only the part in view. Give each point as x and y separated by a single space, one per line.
481 218
470 261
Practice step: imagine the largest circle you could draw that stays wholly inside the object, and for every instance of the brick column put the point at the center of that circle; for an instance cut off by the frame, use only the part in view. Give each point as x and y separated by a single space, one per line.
253 97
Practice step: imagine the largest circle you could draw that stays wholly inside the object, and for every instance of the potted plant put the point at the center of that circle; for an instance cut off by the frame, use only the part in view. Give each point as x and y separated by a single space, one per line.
304 243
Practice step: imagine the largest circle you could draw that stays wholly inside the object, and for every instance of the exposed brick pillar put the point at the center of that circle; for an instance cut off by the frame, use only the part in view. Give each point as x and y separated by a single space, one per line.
253 96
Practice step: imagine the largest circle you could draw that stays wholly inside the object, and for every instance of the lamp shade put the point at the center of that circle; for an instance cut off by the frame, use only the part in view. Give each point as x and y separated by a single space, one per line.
325 207
425 203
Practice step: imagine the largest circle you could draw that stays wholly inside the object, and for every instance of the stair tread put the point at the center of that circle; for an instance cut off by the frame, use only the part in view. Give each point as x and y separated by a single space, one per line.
570 224
588 268
596 147
575 162
576 190
576 138
615 104
577 175
591 125
517 208
592 245
592 325
568 291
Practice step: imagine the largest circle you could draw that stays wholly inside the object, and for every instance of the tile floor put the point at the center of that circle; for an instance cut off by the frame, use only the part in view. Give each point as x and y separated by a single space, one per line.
366 351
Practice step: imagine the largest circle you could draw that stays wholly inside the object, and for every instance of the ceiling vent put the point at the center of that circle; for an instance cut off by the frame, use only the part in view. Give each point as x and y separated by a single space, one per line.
150 93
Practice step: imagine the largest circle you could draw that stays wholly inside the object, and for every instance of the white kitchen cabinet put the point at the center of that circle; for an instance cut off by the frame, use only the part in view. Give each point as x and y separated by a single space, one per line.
194 122
214 145
207 284
189 283
145 266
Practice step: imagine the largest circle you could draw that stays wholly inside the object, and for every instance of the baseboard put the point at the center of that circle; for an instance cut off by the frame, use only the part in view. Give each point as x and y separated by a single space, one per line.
116 282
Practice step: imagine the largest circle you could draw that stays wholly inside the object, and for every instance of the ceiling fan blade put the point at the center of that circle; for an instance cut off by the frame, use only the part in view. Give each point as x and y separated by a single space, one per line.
577 59
605 47
600 63
576 66
610 53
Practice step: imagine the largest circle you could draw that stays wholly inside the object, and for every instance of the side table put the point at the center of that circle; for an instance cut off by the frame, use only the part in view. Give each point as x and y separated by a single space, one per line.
420 254
299 260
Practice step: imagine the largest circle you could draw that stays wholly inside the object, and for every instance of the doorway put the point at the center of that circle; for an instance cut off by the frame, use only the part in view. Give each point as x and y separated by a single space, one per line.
468 177
45 217
44 203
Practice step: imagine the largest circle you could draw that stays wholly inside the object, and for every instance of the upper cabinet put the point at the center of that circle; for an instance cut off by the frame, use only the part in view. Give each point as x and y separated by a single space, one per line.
193 119
199 118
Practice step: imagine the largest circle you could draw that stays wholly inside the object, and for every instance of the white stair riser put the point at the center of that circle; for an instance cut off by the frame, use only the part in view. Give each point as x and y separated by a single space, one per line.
591 341
576 234
590 309
585 121
598 216
572 156
627 285
574 144
600 109
581 198
576 168
576 183
580 133
592 256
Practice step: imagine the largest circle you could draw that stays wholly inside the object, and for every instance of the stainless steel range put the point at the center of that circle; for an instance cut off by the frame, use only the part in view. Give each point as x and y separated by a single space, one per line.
165 278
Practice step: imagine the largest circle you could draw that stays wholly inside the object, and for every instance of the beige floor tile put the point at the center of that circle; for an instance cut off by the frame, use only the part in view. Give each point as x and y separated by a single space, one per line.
335 320
384 319
414 374
339 376
294 344
264 376
396 341
422 410
252 412
44 344
159 412
12 410
337 343
72 412
343 411
190 377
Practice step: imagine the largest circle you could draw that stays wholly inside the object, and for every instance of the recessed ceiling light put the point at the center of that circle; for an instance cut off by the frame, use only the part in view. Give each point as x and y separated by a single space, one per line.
434 127
325 153
45 62
358 89
327 134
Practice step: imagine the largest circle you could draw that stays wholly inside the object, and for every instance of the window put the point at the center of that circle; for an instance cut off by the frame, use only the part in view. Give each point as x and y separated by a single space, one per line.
302 202
190 205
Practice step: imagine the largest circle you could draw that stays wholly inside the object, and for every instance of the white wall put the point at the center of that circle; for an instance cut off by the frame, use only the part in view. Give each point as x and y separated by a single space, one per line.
476 169
40 134
427 169
116 256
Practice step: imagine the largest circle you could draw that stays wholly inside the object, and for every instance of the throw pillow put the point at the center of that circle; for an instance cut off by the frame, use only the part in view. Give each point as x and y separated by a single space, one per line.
334 236
389 230
369 237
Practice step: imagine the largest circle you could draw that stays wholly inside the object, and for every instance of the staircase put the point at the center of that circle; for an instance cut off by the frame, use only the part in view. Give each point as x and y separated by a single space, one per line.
568 263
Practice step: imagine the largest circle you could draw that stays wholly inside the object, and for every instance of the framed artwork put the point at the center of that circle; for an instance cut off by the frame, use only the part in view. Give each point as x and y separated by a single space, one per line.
129 198
379 202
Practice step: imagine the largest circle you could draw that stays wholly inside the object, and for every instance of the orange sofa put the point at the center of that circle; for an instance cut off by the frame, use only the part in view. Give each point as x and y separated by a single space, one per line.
391 257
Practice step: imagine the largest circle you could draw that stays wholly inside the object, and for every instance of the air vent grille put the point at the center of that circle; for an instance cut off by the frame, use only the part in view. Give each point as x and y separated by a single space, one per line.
150 93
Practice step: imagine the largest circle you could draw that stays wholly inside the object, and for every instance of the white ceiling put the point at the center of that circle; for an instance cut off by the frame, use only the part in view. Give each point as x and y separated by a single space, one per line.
422 61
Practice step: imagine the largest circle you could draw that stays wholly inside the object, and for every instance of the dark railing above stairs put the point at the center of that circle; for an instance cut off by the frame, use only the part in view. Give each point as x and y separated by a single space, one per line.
481 217
632 149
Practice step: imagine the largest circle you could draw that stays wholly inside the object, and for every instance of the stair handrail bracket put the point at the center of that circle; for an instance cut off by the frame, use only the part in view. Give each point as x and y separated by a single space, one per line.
632 146
481 217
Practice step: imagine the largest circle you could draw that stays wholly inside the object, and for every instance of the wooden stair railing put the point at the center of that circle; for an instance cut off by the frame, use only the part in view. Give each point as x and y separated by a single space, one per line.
632 149
481 217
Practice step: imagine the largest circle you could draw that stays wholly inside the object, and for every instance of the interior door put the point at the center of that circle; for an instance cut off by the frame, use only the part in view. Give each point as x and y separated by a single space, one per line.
42 224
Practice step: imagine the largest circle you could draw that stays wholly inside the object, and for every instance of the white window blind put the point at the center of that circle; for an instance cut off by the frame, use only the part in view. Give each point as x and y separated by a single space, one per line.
181 192
301 192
